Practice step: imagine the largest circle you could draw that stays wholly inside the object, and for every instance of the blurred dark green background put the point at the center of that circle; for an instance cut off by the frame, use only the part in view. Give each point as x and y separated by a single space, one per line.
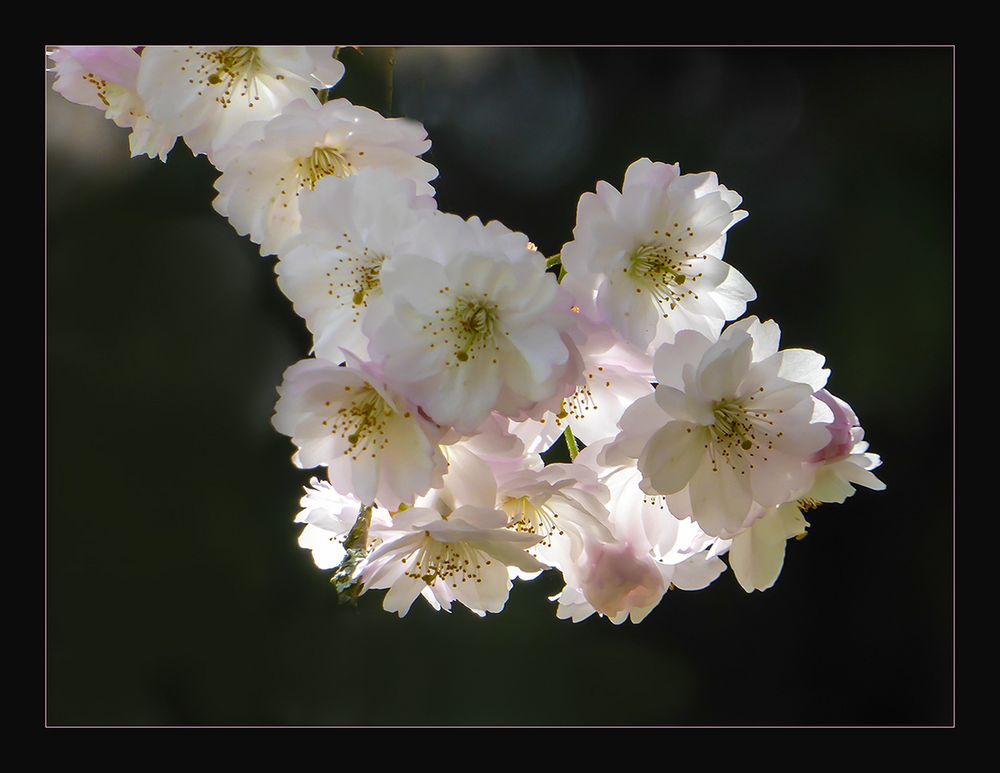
176 591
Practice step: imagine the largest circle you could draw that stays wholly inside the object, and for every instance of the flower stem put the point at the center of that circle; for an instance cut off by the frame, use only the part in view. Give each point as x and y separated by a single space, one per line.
571 443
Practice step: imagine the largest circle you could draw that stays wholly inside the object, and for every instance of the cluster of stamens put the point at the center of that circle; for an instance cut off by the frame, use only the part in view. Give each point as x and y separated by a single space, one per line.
528 518
233 67
738 434
361 422
659 269
807 503
362 280
448 561
322 162
101 85
467 327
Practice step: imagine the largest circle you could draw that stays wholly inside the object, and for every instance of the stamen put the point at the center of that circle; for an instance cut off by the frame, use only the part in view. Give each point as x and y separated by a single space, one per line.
807 503
468 326
529 518
229 67
659 270
738 435
362 422
323 162
454 561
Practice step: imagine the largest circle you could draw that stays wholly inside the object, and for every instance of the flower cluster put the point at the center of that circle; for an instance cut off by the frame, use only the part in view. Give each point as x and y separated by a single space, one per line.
449 355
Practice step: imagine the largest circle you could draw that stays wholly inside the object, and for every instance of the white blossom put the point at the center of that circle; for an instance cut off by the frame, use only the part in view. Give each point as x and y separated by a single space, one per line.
563 504
462 555
208 93
105 77
732 423
270 169
470 323
648 261
626 578
845 461
375 445
332 271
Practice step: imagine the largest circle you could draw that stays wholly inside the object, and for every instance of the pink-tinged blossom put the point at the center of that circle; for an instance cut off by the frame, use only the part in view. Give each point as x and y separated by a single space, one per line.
332 271
375 445
459 555
615 578
105 77
269 170
564 504
648 261
471 323
732 424
845 461
207 94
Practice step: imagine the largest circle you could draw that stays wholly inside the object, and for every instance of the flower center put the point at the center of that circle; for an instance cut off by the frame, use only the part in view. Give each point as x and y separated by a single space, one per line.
362 422
233 67
739 433
659 270
366 279
323 162
732 426
471 324
529 518
448 561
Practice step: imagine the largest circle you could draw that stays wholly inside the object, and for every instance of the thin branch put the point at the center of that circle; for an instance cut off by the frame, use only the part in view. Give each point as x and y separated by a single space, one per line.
356 546
391 64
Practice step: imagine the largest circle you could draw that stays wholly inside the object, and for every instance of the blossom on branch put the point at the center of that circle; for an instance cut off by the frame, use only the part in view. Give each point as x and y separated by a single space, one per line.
732 424
648 261
208 93
105 77
470 323
269 169
332 271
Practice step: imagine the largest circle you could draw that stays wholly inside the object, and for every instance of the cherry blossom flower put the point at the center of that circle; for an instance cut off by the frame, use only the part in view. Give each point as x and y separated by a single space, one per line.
626 578
462 555
105 77
207 94
268 169
563 504
470 323
732 423
331 272
376 446
648 261
845 460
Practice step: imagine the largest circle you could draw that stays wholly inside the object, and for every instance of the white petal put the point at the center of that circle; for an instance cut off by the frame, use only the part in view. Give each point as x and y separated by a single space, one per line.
672 456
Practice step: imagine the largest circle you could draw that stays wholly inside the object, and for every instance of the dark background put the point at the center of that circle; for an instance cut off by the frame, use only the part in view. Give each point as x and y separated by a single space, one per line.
176 593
